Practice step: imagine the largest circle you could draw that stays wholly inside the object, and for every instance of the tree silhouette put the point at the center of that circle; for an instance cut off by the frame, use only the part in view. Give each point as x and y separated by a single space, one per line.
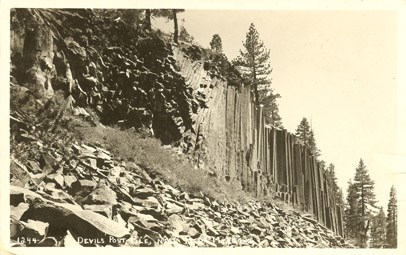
254 62
378 236
361 204
306 134
392 220
216 44
254 58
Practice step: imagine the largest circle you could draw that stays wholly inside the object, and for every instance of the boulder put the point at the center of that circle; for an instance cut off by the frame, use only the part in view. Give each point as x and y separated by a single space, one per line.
69 180
34 229
17 211
15 228
177 224
172 208
34 167
76 149
235 230
143 193
150 202
143 232
62 217
69 241
103 209
193 232
19 174
58 178
115 171
83 187
101 195
48 163
195 206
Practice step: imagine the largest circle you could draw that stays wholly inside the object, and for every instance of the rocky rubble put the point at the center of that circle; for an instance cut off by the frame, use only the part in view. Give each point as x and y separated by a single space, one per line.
85 196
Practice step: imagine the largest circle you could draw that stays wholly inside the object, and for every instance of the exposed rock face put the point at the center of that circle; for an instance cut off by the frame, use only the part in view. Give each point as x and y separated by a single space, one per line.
206 138
36 58
230 136
135 83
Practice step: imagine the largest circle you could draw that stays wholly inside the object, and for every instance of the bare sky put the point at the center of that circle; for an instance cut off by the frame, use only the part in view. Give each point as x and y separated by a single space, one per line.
337 68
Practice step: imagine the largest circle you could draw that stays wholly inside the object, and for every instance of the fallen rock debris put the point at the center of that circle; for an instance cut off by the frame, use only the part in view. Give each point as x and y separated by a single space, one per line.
58 203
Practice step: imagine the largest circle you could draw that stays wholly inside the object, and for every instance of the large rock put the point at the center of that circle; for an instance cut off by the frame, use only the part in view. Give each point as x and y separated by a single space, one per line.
172 208
150 202
101 195
194 233
143 193
17 211
48 163
34 167
15 228
19 174
178 225
69 241
69 180
103 209
57 178
35 230
62 217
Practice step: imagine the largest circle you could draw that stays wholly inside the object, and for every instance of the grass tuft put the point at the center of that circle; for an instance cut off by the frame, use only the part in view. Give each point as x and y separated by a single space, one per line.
173 167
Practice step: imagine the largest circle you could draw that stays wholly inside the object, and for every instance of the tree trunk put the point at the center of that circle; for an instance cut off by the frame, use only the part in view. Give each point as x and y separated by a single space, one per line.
175 26
147 21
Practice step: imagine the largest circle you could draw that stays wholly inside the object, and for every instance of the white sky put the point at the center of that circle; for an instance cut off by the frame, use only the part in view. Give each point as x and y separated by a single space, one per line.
337 68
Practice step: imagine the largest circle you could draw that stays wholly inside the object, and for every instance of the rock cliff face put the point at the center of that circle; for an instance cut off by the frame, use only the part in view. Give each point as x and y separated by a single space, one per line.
147 83
231 137
32 53
130 81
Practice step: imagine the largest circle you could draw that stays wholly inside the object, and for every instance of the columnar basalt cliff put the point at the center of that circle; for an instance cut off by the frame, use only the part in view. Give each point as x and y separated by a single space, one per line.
233 140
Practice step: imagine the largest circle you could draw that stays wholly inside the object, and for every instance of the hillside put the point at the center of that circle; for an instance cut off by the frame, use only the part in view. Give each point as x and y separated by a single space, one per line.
121 137
81 194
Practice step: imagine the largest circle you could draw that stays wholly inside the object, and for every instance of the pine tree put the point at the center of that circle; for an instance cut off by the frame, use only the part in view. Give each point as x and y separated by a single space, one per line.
216 44
306 134
392 220
378 236
254 58
303 130
330 171
331 175
350 215
312 144
270 109
361 205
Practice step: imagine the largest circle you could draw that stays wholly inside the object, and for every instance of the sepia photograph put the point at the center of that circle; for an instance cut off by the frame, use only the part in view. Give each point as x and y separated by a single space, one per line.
228 126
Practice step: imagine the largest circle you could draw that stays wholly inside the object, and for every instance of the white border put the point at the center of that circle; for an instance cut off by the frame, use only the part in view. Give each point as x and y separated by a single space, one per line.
394 5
